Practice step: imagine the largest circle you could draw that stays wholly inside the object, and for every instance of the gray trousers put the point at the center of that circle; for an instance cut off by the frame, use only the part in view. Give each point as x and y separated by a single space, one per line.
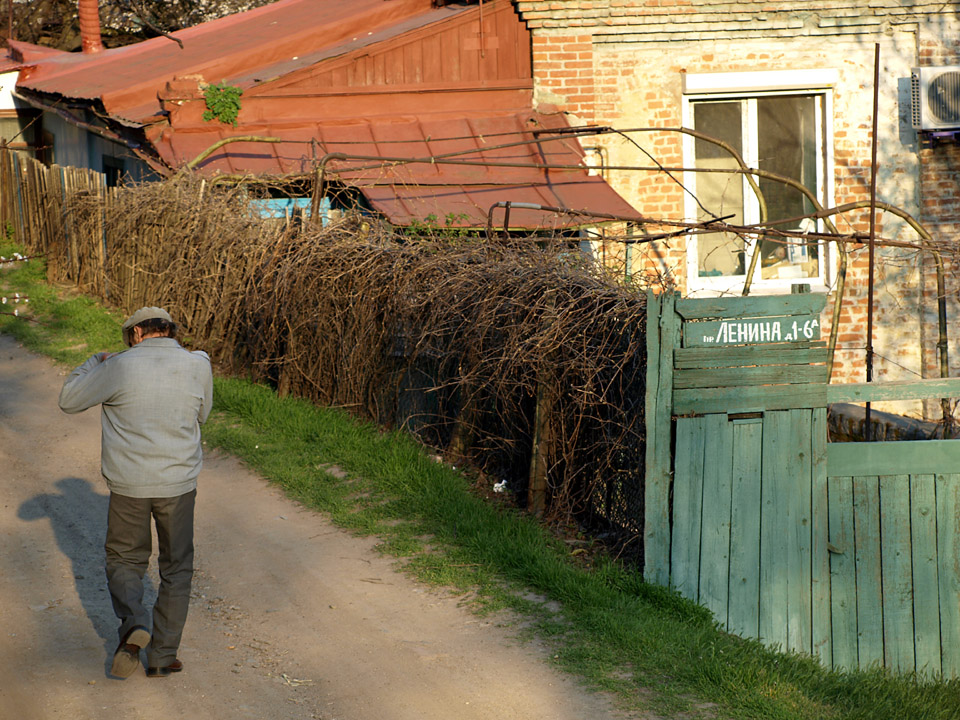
128 549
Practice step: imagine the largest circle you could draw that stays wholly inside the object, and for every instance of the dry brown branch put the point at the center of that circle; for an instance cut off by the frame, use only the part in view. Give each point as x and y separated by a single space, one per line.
453 338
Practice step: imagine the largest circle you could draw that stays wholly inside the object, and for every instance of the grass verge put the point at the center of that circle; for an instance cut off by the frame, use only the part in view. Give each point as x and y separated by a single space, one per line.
653 650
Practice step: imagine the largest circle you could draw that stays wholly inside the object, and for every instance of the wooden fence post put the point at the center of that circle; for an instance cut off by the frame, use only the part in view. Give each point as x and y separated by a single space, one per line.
537 485
663 335
542 436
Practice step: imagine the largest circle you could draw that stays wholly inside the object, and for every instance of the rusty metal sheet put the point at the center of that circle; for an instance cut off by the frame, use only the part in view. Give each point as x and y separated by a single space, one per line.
493 148
258 44
405 192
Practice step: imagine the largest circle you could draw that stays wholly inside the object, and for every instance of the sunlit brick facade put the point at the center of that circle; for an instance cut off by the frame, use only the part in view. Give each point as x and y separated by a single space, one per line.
643 67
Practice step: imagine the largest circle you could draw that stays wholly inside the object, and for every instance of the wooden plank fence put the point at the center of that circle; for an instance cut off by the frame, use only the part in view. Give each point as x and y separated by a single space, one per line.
895 547
35 205
849 552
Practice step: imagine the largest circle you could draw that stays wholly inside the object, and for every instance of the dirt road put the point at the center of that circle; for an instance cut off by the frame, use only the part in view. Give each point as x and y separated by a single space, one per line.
290 618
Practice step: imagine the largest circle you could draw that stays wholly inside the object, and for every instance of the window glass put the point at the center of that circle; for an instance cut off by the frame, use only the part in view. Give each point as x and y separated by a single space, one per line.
787 145
719 193
778 134
20 132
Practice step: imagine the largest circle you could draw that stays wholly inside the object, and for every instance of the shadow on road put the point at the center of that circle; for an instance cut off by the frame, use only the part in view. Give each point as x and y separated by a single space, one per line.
78 518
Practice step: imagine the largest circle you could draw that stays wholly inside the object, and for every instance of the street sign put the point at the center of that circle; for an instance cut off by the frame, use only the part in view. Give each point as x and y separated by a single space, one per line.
752 331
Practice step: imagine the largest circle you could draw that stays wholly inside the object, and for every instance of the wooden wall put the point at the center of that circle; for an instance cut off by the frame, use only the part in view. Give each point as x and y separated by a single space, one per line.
488 44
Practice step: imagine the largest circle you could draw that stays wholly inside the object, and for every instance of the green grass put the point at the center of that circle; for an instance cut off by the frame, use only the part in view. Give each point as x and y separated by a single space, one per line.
654 650
73 326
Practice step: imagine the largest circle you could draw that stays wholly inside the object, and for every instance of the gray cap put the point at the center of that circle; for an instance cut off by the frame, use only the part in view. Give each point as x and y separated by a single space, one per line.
144 313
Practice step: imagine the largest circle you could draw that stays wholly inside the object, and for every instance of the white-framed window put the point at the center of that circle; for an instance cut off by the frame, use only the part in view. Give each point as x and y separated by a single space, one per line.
779 122
22 130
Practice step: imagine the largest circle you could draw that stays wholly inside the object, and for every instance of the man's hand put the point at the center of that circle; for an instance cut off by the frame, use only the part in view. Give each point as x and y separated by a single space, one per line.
101 356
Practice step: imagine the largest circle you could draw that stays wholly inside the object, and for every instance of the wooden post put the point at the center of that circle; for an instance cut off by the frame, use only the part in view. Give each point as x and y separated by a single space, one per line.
867 429
542 440
663 335
462 437
74 257
537 485
286 364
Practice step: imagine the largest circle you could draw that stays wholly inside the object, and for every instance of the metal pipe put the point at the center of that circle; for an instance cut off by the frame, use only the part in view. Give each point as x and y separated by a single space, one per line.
89 14
319 182
942 341
507 204
868 432
226 141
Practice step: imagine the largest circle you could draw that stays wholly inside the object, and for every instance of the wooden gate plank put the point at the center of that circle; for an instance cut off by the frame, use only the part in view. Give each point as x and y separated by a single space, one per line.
744 607
820 631
897 390
916 457
897 575
687 507
948 570
751 306
715 527
662 334
745 355
774 519
843 574
797 471
738 399
866 527
749 377
926 604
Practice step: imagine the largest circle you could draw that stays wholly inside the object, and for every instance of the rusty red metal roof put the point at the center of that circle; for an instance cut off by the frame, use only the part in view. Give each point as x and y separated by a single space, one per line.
17 54
467 162
372 80
259 44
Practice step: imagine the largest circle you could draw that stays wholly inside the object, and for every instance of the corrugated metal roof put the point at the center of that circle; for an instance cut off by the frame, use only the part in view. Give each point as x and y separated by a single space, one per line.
406 192
471 206
17 54
478 112
254 45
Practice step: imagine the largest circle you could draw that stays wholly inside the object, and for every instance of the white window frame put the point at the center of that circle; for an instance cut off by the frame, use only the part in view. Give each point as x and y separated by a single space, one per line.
747 86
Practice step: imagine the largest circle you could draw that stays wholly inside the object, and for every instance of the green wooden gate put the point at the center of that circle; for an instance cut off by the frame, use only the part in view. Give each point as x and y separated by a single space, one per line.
849 551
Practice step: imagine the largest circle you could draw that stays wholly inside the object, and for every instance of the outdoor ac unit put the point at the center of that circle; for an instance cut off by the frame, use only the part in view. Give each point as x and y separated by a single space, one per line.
936 97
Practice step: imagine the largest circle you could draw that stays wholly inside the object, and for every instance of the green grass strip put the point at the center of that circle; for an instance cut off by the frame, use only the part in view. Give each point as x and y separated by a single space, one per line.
653 649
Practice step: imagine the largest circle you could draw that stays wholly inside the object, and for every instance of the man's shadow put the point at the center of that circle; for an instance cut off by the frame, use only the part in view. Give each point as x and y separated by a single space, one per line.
78 518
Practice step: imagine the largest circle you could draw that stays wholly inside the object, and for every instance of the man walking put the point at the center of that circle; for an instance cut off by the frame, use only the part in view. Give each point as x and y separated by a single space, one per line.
154 398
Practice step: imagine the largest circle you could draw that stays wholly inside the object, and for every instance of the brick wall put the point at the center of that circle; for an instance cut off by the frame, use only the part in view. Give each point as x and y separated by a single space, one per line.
620 62
563 71
670 20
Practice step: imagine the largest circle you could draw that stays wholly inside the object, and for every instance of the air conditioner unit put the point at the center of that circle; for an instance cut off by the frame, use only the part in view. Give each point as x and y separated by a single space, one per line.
936 97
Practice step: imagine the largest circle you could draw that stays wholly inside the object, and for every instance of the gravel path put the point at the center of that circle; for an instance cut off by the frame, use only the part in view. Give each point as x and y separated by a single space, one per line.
290 617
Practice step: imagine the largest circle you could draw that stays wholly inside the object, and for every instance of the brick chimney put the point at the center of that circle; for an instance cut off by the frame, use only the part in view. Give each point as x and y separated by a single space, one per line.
89 11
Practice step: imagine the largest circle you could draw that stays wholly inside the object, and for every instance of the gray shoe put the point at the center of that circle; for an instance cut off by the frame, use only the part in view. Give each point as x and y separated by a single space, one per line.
126 659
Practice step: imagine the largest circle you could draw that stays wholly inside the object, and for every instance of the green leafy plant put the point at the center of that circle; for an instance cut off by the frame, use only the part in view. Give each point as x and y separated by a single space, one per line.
223 103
